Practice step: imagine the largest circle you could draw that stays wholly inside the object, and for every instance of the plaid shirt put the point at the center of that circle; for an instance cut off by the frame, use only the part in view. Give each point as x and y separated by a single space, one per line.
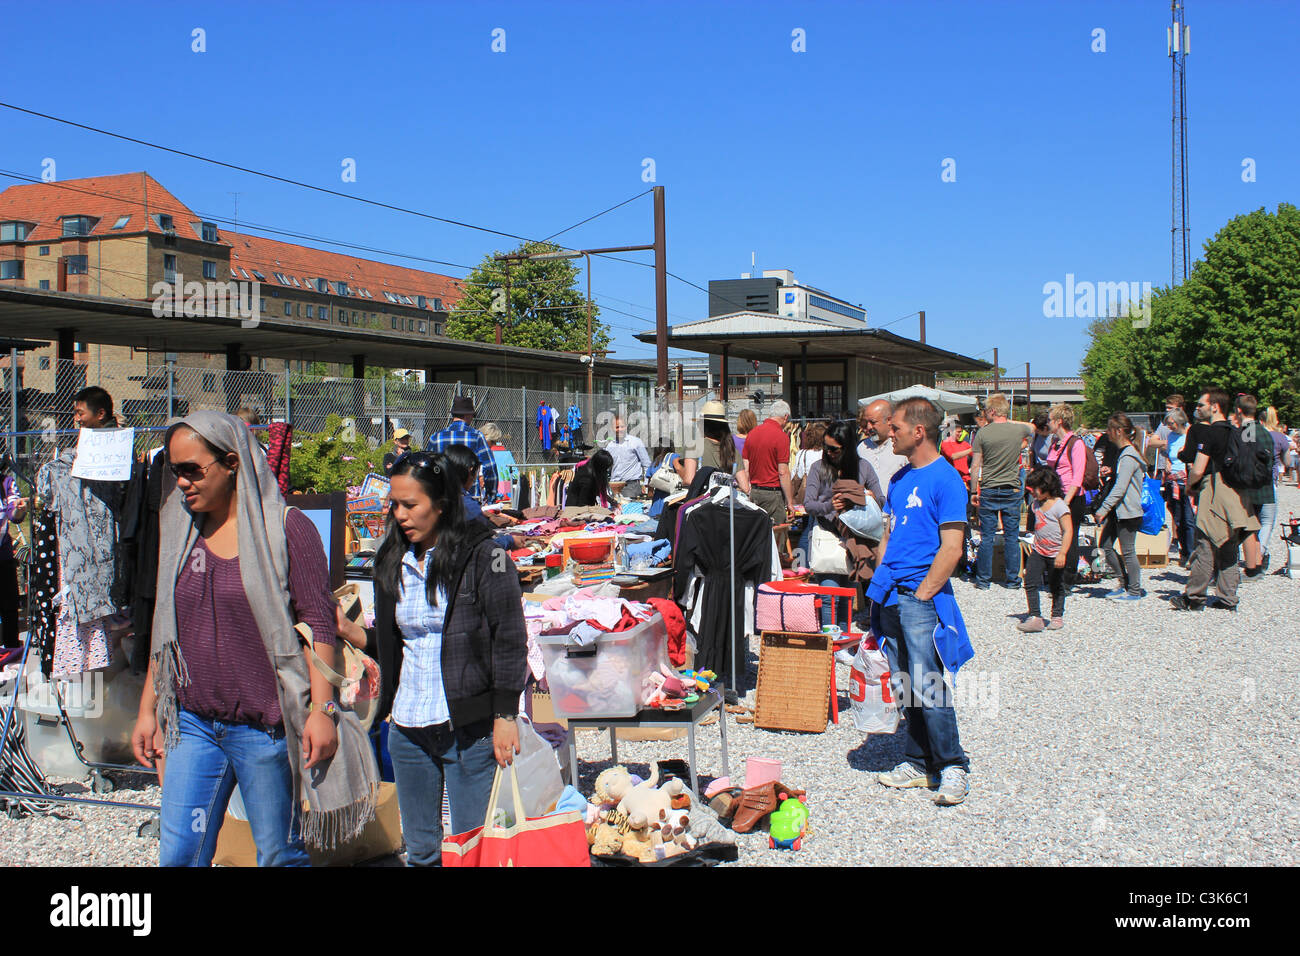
458 433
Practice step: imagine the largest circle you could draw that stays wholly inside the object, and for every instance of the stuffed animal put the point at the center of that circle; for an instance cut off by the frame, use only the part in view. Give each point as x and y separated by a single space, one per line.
643 803
674 829
605 839
612 786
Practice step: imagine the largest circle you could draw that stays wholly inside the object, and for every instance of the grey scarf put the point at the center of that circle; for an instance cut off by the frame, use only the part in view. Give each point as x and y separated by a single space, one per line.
339 796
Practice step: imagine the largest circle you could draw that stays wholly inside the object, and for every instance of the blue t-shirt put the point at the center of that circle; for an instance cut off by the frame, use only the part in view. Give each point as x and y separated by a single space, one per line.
921 499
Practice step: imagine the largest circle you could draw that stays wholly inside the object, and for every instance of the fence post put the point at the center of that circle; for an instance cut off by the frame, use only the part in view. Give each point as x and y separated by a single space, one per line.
288 417
523 420
383 407
171 390
13 402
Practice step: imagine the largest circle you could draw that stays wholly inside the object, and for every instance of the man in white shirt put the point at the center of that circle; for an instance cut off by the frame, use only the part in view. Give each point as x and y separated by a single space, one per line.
630 461
874 421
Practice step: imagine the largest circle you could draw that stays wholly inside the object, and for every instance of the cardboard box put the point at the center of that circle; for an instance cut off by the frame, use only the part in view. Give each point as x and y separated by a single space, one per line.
381 837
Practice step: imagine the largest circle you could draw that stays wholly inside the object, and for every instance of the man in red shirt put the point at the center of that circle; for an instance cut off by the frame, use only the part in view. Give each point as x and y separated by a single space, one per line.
767 458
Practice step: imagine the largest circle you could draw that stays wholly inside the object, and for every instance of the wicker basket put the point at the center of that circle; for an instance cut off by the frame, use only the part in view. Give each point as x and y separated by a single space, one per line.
794 681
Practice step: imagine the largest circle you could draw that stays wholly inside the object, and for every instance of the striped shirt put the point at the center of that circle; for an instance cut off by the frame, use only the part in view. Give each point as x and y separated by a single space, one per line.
421 699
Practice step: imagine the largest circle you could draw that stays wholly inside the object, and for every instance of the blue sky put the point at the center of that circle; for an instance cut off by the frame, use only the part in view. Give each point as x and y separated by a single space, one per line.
826 162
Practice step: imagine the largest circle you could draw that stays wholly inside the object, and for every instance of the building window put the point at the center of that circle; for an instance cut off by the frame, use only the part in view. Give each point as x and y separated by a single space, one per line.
410 325
169 267
14 231
209 382
209 232
11 269
437 329
260 277
45 285
262 304
311 312
297 310
437 305
77 265
245 274
424 327
394 321
421 301
323 313
209 269
45 250
288 308
44 363
343 317
77 225
322 285
121 222
341 288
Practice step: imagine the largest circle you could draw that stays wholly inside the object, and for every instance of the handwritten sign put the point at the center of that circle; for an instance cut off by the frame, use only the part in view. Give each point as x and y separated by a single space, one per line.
104 454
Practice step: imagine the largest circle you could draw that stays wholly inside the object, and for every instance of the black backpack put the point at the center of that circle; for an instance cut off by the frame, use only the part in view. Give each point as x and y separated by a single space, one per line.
1248 464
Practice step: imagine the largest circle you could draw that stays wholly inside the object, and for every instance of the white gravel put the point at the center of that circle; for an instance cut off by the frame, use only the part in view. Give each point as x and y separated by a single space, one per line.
1136 735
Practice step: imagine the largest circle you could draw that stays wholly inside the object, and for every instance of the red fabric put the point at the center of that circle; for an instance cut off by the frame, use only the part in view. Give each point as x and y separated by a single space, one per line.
766 447
625 623
556 840
676 629
950 448
277 455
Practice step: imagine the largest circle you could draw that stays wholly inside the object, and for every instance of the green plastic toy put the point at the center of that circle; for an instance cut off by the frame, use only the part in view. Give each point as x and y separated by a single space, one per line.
787 825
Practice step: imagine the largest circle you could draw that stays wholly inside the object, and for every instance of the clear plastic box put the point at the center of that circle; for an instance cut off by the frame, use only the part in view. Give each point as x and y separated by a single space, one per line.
609 682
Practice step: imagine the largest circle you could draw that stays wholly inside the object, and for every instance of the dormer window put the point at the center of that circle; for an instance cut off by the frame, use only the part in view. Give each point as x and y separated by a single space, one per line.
341 288
77 225
14 231
209 231
322 285
165 222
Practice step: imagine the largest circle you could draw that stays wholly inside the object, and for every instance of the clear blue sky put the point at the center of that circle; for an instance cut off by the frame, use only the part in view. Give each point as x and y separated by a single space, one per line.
825 162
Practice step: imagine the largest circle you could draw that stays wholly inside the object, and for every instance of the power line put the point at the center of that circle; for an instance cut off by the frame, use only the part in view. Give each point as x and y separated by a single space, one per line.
597 216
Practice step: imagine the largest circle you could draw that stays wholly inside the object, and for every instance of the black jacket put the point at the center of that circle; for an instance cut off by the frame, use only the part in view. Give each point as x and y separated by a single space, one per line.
484 642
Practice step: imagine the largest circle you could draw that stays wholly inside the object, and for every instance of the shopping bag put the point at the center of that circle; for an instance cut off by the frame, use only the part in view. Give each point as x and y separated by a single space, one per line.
557 840
538 771
828 554
870 698
1153 506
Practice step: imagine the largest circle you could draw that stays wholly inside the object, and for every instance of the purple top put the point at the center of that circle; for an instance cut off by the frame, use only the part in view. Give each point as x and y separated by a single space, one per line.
8 489
231 677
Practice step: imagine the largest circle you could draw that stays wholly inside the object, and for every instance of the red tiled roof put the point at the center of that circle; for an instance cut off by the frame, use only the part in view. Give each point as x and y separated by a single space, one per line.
270 256
105 198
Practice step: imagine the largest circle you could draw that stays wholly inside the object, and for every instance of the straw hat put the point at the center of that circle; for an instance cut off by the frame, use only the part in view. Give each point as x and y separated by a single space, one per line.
714 412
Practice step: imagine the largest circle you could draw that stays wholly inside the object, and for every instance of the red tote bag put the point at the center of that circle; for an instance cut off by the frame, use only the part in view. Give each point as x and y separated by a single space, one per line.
556 840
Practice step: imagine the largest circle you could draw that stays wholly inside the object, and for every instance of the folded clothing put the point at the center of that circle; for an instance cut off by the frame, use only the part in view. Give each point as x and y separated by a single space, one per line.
655 552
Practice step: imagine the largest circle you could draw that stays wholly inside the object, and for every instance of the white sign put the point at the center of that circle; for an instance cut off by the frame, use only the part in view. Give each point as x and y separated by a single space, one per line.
104 454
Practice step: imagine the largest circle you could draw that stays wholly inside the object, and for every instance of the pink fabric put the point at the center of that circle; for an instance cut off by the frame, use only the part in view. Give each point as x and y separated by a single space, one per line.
1070 468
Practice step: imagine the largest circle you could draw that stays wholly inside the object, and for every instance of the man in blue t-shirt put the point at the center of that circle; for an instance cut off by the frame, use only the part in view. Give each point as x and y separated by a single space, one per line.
926 503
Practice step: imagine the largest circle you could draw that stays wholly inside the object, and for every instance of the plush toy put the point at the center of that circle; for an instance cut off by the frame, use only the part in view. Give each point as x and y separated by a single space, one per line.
674 829
705 828
612 786
605 839
643 803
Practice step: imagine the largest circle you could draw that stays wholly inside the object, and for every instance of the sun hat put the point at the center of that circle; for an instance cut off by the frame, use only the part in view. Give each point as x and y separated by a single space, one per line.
714 412
400 434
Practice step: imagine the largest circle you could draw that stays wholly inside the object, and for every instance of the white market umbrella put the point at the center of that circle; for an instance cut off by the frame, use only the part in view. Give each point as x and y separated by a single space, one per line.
950 403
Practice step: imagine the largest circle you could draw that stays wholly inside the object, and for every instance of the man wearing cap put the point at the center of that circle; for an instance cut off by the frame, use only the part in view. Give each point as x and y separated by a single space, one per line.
462 432
401 445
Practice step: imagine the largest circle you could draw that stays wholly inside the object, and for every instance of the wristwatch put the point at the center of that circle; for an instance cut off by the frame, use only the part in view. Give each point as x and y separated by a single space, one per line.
510 717
330 709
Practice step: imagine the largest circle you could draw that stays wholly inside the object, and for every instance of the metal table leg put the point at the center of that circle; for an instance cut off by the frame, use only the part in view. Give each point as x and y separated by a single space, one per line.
690 762
613 743
571 740
722 727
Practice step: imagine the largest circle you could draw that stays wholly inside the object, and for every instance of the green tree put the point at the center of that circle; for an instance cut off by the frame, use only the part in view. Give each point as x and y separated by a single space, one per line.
331 459
546 310
1233 324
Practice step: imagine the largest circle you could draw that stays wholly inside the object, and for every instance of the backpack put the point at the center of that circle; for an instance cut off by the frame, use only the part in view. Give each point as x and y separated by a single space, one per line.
1091 470
1248 462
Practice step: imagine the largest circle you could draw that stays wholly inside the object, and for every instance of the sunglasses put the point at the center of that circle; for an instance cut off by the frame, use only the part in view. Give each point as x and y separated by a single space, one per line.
189 470
417 459
832 449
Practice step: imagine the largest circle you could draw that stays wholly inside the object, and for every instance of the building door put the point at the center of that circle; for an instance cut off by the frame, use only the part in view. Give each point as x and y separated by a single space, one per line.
820 399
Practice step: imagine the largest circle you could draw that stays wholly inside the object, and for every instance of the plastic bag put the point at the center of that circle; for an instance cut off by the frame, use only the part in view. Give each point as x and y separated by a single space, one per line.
1153 506
870 698
537 770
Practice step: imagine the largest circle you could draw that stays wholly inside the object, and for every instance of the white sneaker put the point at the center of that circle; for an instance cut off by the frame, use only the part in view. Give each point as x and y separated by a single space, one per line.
953 787
904 776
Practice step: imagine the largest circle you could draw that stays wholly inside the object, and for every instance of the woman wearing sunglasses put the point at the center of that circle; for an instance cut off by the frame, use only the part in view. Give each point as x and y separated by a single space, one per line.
233 697
450 640
822 502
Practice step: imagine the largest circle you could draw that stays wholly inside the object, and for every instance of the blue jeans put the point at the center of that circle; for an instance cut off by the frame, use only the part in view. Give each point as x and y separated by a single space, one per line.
919 687
1184 522
425 759
843 607
995 501
1267 524
201 773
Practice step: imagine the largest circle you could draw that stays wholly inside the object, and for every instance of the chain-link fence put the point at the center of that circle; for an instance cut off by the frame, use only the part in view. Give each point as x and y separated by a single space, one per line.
37 414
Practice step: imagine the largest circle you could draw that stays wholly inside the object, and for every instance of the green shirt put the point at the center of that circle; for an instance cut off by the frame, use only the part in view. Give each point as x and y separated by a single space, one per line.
1000 445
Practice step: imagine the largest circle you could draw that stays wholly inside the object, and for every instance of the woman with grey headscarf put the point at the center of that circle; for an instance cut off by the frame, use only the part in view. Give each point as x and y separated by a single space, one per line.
233 695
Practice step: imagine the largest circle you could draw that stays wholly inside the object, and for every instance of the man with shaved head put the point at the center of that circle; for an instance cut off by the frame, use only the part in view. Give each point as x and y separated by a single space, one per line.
878 447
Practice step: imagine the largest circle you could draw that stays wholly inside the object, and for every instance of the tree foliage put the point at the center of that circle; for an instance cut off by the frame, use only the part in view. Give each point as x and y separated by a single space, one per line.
546 309
334 458
1233 324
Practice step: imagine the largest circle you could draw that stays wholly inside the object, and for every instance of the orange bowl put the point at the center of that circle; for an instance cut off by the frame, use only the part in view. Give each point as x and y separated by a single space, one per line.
589 552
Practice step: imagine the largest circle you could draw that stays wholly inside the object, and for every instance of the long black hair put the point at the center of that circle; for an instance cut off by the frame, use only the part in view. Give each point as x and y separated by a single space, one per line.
721 433
464 460
846 434
441 481
591 480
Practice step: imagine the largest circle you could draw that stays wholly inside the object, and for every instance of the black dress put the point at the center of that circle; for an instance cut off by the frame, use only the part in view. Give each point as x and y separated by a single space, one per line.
703 544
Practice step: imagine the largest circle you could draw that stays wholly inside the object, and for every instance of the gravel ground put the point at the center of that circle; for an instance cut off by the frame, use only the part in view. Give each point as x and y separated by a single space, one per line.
1134 736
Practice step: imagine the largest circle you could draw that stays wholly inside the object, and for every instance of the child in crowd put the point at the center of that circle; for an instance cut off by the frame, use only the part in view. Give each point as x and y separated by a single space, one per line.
1052 526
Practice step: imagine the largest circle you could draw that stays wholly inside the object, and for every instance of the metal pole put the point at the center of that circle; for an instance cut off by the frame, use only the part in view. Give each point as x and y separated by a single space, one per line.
1029 391
996 372
288 417
13 399
661 292
171 390
731 591
591 356
383 406
523 420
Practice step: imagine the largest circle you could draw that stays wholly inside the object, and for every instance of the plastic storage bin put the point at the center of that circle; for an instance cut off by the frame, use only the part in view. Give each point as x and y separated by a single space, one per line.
605 679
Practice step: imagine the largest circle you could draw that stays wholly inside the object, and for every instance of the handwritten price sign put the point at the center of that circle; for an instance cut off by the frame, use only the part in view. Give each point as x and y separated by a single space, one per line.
104 454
